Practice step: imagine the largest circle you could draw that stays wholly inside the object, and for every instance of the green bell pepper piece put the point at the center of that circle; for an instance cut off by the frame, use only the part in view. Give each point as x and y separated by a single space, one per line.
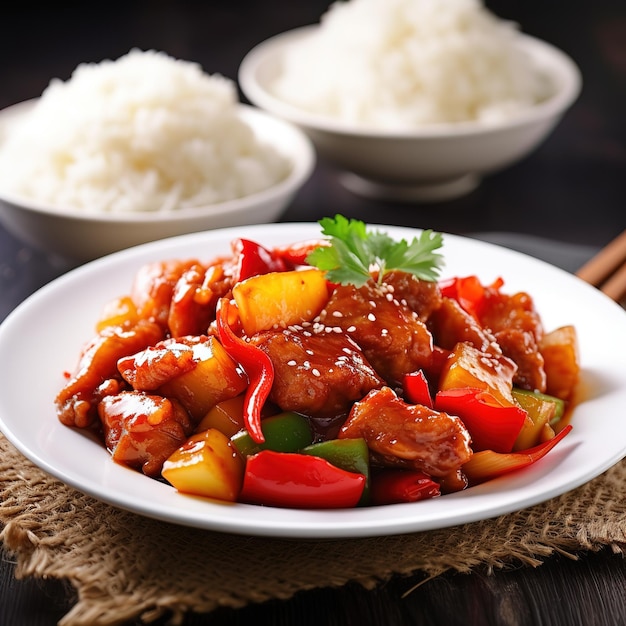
530 400
285 432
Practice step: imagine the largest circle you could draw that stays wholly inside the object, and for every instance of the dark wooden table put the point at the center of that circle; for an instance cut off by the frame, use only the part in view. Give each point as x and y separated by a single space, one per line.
571 191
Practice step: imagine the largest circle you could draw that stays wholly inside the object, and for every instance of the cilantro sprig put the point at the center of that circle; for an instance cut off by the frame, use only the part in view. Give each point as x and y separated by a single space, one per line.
354 253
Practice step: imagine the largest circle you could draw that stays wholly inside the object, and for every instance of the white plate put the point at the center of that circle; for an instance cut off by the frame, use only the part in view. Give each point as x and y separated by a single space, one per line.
42 338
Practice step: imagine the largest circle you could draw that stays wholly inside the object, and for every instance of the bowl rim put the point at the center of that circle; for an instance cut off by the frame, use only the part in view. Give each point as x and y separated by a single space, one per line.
302 160
570 86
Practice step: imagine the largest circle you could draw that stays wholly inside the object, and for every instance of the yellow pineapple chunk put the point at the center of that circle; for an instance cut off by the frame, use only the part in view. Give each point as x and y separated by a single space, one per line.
280 299
206 465
469 367
225 416
559 349
216 377
119 312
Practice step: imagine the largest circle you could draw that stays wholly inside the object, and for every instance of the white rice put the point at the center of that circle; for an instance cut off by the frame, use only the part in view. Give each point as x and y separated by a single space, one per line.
395 64
143 133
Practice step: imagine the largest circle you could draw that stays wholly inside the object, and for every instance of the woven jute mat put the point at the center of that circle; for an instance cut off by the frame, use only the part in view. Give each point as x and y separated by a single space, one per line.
124 566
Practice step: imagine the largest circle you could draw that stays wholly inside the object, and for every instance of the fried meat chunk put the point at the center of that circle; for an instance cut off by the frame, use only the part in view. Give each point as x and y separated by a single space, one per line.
393 338
143 430
97 374
451 324
421 296
518 330
401 434
319 374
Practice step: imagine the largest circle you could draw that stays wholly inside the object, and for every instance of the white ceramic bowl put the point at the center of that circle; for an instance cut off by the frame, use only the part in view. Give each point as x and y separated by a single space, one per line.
433 163
67 233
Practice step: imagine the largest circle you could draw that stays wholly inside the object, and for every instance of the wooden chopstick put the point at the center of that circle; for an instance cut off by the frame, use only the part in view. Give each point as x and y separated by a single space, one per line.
607 269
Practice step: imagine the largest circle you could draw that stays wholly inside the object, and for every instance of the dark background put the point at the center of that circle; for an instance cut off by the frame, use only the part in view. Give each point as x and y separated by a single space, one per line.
577 176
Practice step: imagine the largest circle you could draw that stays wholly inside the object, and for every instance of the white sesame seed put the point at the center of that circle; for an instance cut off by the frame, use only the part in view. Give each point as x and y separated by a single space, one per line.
291 363
315 372
337 329
371 317
337 314
351 329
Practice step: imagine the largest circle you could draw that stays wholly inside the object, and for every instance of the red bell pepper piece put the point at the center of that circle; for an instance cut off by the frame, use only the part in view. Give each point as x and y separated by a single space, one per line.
491 425
469 292
296 254
416 390
252 259
255 363
391 486
288 479
488 464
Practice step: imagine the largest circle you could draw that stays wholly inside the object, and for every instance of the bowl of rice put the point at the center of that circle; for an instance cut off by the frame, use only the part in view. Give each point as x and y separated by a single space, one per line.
141 148
413 99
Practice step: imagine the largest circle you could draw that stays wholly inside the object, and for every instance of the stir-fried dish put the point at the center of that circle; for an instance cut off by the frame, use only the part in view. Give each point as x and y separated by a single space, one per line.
331 373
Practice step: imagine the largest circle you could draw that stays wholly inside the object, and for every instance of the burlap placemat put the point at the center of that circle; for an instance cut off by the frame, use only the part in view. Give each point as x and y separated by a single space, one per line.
124 566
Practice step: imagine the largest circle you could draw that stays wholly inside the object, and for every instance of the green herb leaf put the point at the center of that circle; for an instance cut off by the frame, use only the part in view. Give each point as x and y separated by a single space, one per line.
354 253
